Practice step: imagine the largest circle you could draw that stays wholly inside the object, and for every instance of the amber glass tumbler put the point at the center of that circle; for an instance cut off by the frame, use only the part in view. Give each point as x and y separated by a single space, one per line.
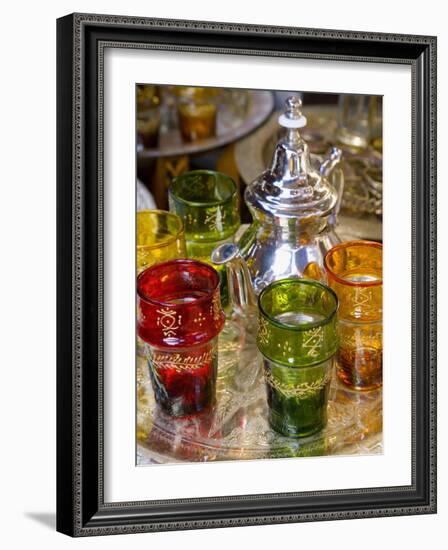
355 272
197 112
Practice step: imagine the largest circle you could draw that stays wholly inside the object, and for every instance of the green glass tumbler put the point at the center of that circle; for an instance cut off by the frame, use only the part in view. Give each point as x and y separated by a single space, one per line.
208 203
297 337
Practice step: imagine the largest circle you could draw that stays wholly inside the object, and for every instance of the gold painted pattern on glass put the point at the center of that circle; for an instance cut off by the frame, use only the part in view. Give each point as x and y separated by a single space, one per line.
301 391
263 331
169 321
179 362
216 306
313 341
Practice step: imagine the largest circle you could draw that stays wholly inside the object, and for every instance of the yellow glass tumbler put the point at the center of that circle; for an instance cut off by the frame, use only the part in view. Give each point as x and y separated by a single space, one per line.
160 237
355 272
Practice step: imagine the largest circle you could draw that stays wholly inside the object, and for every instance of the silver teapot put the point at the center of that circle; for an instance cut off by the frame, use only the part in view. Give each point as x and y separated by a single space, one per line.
294 205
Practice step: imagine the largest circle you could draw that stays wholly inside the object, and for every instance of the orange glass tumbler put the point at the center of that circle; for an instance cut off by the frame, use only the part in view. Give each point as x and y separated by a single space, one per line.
355 272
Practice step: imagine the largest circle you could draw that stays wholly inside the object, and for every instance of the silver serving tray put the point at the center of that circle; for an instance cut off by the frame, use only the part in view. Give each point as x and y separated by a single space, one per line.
237 428
229 128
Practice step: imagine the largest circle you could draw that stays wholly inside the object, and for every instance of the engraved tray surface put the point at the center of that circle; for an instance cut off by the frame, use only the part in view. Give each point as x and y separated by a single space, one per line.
237 427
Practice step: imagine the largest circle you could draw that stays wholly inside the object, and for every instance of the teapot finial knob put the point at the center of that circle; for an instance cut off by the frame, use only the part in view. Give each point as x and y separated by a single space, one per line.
292 117
293 106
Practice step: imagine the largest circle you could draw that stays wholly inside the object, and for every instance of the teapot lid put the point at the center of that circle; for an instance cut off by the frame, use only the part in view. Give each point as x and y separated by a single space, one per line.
291 188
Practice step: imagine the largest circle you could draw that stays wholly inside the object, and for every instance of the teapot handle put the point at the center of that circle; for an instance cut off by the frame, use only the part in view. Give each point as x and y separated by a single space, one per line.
241 293
329 169
337 180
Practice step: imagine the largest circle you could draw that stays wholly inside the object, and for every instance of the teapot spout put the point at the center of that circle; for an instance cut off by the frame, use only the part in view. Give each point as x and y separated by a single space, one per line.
241 294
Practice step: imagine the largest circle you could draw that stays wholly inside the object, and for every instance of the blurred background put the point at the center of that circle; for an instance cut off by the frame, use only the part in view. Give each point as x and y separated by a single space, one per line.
234 131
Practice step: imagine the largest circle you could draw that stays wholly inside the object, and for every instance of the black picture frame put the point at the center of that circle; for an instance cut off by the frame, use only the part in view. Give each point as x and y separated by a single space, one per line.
81 39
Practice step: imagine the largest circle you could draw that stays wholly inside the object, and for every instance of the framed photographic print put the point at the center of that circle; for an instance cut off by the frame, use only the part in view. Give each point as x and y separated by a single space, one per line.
246 274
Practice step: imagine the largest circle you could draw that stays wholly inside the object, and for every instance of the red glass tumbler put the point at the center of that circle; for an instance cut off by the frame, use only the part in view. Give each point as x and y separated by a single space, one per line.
179 319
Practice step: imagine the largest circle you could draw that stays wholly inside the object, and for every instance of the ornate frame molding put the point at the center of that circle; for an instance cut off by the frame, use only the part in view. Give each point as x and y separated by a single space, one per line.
82 39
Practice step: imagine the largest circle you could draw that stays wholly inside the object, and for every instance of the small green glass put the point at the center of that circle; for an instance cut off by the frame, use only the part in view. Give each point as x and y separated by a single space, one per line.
208 203
298 339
